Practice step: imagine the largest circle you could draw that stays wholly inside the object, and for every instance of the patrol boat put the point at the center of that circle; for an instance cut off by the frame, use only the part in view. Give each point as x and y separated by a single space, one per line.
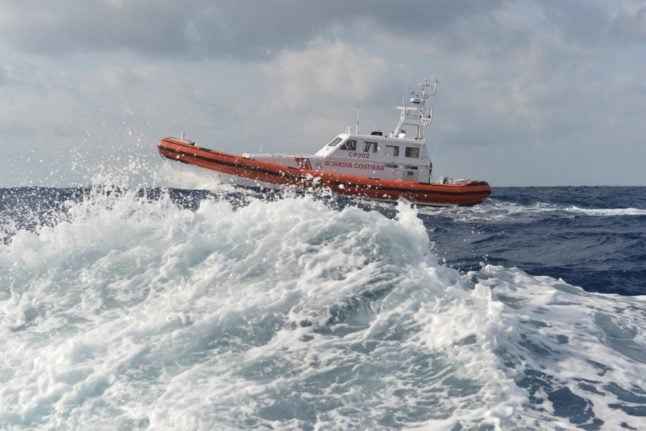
371 166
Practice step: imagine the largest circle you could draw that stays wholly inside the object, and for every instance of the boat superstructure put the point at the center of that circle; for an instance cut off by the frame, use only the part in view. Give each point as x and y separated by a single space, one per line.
395 156
375 165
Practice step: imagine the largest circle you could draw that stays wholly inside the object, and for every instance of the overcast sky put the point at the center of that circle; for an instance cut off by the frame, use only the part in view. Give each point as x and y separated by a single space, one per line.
532 93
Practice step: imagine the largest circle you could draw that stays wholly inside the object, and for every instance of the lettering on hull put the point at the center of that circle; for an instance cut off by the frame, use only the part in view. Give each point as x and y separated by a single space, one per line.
356 165
337 164
359 155
369 166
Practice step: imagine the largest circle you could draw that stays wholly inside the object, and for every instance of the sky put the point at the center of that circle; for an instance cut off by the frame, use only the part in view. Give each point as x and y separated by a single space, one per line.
532 93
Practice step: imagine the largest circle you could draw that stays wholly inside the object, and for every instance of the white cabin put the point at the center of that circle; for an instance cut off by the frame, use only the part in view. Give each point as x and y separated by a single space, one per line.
396 156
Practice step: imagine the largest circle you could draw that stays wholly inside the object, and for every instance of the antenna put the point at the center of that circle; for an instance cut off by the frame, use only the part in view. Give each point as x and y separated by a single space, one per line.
426 116
420 112
356 127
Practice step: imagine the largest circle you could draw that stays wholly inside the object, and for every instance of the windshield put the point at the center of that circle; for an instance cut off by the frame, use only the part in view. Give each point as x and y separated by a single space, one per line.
334 142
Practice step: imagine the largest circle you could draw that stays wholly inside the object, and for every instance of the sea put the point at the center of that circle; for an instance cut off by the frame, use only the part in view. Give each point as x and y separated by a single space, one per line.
158 308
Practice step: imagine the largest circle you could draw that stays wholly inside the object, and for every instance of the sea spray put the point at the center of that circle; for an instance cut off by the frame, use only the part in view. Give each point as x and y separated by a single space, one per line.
145 310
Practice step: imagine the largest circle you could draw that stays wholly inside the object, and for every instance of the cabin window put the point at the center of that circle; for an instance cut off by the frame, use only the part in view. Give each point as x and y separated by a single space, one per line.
350 145
412 152
369 147
392 150
334 142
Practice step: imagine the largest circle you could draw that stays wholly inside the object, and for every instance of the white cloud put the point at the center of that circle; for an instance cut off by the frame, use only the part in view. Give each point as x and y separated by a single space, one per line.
518 82
249 29
630 22
324 73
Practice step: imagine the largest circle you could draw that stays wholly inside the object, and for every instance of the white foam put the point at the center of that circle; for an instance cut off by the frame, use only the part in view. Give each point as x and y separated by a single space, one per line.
493 210
285 314
183 176
557 331
606 212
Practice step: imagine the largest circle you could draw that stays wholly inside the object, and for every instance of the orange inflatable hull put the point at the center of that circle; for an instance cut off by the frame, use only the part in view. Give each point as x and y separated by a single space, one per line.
462 193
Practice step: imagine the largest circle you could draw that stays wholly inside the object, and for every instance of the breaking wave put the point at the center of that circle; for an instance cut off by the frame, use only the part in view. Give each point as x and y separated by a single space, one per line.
132 310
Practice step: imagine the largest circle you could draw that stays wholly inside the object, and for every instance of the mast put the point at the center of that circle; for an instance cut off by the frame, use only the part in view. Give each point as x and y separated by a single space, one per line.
419 113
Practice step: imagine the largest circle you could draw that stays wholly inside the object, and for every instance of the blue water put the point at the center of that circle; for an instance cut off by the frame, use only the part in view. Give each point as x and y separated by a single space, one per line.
236 309
592 237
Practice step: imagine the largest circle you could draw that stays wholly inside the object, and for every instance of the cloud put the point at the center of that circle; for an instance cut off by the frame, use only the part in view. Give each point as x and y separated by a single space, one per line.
336 73
590 23
583 22
630 24
520 81
57 27
207 29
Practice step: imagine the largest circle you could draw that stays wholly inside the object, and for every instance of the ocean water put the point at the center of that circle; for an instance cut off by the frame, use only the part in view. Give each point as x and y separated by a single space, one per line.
167 309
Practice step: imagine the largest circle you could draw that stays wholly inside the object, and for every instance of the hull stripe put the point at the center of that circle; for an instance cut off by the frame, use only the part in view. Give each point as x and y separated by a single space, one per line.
281 175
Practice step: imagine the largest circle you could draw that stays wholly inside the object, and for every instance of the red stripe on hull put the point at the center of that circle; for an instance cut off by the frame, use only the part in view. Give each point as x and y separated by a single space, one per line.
467 193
